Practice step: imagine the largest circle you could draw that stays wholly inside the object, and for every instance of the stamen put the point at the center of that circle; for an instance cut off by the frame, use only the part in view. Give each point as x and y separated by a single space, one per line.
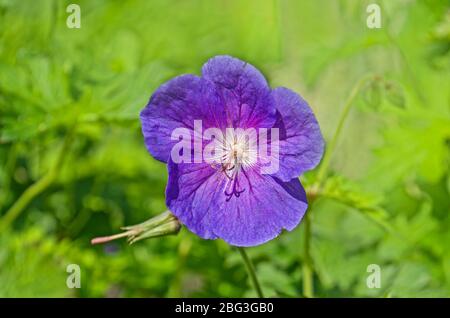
236 155
234 191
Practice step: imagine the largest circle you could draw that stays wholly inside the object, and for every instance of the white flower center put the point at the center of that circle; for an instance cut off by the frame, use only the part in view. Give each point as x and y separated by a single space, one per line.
238 152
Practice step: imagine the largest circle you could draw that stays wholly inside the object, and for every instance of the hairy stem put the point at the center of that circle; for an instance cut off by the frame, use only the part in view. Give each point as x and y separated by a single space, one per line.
251 271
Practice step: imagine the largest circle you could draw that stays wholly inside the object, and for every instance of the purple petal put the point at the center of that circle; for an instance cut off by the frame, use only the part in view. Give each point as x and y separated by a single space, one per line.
190 189
301 142
244 90
176 104
196 195
266 207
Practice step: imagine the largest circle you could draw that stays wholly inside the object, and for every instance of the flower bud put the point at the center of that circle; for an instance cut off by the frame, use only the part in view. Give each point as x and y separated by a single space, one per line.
161 225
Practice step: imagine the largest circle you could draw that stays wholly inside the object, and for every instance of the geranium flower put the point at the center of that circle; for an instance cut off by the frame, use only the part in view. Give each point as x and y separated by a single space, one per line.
231 194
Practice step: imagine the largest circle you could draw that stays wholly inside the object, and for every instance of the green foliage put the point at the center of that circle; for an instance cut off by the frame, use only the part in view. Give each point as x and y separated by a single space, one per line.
69 105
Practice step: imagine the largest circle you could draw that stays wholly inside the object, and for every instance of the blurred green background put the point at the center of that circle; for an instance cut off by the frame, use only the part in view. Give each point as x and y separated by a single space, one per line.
73 164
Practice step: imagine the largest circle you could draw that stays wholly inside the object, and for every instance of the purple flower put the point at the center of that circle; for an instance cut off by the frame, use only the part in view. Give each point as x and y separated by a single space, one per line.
233 197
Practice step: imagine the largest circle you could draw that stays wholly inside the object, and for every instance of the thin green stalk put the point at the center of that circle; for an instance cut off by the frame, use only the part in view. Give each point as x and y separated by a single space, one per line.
323 169
307 267
251 271
35 189
175 288
409 70
308 284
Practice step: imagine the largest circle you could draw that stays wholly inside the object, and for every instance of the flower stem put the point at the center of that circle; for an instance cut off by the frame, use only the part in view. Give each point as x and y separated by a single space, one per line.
251 271
323 169
36 188
105 239
307 268
308 284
